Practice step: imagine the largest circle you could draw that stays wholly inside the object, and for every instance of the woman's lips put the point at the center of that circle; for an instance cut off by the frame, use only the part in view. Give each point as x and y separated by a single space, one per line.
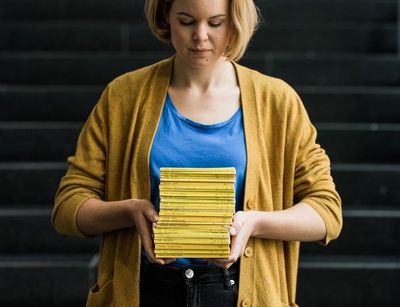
199 50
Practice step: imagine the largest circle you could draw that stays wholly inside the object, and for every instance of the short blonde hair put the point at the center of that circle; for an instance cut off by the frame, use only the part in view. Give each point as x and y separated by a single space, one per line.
244 17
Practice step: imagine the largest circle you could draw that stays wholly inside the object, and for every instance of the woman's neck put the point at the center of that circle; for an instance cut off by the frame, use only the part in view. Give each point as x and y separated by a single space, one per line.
221 74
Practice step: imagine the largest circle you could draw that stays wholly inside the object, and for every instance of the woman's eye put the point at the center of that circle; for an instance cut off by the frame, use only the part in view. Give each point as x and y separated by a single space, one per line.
215 24
186 22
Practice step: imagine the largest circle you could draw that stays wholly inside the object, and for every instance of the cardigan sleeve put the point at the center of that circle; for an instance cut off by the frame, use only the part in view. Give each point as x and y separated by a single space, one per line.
313 183
85 177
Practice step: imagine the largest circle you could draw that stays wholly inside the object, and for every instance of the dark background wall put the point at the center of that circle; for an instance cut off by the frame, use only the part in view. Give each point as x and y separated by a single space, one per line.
341 56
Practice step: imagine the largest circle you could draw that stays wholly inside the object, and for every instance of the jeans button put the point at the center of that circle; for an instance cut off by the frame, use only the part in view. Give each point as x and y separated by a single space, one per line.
189 273
232 282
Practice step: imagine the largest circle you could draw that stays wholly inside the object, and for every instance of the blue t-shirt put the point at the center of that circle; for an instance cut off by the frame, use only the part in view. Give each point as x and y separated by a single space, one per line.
181 142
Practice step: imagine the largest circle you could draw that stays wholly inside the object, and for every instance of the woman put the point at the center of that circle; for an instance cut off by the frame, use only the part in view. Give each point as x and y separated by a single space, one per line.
199 108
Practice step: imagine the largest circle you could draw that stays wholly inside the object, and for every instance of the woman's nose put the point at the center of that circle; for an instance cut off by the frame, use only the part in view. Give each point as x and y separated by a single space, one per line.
200 33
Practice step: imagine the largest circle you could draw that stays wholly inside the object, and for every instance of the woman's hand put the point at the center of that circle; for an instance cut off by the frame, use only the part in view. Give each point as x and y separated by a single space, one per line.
144 215
298 223
241 229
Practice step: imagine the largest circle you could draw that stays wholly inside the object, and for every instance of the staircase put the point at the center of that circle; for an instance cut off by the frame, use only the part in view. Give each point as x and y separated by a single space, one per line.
341 56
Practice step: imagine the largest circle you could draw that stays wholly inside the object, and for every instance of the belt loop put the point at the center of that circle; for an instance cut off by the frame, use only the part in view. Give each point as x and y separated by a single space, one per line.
227 279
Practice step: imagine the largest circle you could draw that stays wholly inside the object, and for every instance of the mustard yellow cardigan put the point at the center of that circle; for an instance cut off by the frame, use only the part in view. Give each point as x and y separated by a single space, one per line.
284 166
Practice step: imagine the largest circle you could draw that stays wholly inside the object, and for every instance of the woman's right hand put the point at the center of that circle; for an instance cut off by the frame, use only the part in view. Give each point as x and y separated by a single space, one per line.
96 217
144 215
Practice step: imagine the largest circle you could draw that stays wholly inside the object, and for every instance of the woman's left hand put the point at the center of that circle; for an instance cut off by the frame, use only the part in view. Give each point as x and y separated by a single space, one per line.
240 231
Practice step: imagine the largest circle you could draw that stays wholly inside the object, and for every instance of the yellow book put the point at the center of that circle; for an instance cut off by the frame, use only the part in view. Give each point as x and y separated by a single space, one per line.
199 180
173 239
194 209
191 235
184 255
199 213
197 198
200 174
201 190
198 194
175 230
223 170
203 256
168 246
197 206
189 224
195 251
195 173
204 219
202 186
164 225
200 177
174 200
196 186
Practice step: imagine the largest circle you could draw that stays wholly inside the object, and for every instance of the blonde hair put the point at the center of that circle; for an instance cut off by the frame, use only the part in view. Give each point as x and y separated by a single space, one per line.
244 17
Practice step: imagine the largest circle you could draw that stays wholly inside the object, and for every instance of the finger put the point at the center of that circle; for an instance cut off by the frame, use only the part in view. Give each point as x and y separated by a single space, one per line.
237 217
235 247
238 244
144 230
233 230
222 263
236 224
168 260
150 213
155 260
152 257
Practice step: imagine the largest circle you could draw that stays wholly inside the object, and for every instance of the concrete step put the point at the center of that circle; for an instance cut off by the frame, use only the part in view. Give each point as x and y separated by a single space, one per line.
352 104
46 280
365 232
344 143
56 36
30 183
360 143
72 10
48 103
125 37
360 281
71 68
80 36
29 231
38 141
324 104
368 184
273 10
328 70
355 38
328 11
296 69
360 185
348 281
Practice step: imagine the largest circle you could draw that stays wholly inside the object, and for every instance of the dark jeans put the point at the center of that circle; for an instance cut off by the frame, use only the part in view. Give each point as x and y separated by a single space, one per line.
187 285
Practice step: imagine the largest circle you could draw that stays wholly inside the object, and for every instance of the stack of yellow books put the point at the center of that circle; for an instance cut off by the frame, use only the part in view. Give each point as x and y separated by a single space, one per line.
196 209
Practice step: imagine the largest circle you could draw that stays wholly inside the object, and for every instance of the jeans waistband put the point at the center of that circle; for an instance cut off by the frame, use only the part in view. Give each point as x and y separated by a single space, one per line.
188 273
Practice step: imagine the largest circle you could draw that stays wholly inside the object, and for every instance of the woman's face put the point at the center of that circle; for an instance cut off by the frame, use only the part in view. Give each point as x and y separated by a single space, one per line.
200 30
